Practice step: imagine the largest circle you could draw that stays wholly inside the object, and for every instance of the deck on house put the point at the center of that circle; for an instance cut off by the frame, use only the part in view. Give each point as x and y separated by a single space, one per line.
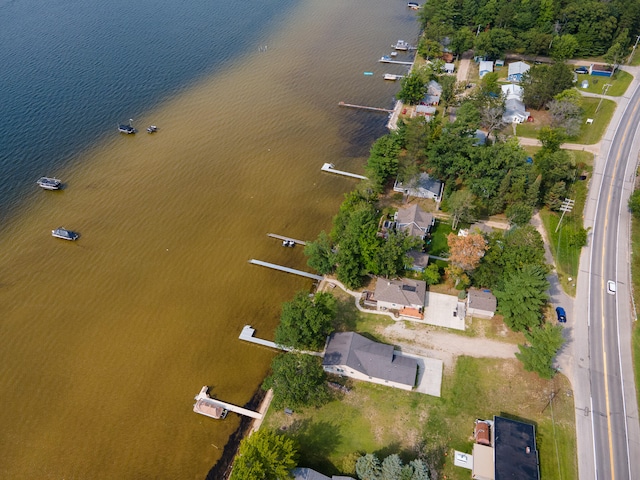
328 167
286 269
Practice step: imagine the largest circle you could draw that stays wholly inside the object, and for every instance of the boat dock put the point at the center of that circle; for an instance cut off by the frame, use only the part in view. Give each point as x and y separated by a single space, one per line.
286 239
364 107
247 336
395 62
328 167
205 402
312 276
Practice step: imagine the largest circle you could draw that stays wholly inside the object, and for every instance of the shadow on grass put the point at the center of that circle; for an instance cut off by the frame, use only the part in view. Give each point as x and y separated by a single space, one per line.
317 441
346 316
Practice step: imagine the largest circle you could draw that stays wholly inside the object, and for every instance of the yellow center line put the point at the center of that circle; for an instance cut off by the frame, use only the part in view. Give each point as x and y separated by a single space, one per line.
604 350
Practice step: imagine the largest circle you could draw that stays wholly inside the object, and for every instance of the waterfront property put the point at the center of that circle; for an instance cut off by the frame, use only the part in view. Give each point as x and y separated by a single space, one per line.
415 221
421 186
404 296
352 355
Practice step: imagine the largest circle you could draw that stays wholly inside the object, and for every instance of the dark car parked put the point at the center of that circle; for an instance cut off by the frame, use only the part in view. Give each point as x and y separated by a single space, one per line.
582 70
562 316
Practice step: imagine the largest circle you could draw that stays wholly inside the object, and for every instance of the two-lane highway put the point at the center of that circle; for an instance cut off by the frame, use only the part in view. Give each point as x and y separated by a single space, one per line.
615 455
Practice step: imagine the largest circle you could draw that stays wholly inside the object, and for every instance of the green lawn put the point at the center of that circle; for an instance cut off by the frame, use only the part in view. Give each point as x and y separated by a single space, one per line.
619 83
567 257
439 246
590 134
376 419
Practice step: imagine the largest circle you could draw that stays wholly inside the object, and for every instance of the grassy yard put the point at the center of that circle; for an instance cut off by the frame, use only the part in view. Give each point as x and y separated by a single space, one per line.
567 257
619 83
590 134
376 419
439 246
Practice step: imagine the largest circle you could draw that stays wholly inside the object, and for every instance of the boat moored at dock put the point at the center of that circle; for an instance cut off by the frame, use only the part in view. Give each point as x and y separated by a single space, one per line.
401 45
49 183
392 76
128 129
64 234
205 405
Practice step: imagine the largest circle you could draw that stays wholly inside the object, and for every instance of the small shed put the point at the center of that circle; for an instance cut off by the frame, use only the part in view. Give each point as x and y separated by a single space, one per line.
486 66
481 303
449 68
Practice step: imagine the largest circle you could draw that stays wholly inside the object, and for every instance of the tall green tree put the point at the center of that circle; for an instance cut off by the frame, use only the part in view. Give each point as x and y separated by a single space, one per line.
305 322
383 160
522 298
368 467
543 345
320 255
412 90
391 467
297 380
265 455
542 82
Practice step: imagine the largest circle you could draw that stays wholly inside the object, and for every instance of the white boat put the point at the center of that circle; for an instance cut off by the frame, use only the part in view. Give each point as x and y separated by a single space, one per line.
401 45
152 129
128 129
394 54
288 243
49 183
413 5
392 77
65 234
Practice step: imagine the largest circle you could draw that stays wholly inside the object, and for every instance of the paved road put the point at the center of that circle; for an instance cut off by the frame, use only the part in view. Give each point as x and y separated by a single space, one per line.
608 425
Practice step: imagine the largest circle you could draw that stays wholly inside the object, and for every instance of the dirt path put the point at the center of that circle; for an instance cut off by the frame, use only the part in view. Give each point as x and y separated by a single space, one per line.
424 340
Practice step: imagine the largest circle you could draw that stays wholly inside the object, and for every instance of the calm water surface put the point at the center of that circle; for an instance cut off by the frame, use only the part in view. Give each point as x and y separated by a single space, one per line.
104 342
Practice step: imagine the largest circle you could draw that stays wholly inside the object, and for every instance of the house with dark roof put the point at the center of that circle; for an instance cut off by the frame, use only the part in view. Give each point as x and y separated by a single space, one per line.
506 449
421 186
352 355
413 220
481 303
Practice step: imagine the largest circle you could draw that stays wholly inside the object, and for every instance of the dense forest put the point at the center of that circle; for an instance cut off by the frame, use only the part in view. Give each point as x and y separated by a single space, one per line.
561 29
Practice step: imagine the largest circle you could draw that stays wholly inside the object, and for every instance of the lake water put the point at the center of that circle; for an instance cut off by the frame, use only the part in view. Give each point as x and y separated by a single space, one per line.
105 341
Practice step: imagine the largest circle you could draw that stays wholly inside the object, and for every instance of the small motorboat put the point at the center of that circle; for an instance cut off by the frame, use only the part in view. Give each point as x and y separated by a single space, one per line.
64 234
152 129
128 129
49 183
288 243
413 5
401 45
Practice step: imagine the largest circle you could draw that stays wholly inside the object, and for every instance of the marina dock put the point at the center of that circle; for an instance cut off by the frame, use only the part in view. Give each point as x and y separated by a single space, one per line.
328 167
312 276
286 239
205 404
364 107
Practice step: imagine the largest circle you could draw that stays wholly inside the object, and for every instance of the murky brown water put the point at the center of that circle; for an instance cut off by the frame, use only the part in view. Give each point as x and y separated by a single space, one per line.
105 341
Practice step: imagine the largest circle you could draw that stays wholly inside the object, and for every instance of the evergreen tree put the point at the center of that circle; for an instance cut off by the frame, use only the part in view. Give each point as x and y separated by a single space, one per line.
391 467
543 345
522 298
368 467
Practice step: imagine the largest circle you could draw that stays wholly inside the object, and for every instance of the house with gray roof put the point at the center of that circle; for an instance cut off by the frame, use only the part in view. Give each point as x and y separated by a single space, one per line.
352 355
516 71
405 295
481 303
413 220
514 111
420 186
311 474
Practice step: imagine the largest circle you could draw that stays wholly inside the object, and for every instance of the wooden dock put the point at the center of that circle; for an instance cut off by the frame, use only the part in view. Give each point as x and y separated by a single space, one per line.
286 239
286 269
204 400
364 107
328 167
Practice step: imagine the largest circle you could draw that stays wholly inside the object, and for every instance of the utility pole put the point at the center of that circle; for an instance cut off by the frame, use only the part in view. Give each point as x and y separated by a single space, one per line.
566 206
604 92
634 49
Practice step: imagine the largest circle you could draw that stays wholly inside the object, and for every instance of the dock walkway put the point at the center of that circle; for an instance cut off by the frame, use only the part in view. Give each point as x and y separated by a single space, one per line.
328 167
364 107
286 239
312 276
247 336
203 397
395 62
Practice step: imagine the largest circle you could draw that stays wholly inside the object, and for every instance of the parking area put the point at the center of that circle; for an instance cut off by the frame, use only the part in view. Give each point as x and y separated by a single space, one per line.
444 311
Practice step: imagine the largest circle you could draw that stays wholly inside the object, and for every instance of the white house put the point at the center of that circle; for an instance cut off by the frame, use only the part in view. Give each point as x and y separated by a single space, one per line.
514 111
516 71
486 66
449 68
355 356
512 91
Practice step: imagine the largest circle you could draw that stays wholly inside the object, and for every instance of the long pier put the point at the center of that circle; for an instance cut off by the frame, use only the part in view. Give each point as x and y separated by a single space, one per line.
364 107
204 402
286 269
328 167
286 239
395 62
